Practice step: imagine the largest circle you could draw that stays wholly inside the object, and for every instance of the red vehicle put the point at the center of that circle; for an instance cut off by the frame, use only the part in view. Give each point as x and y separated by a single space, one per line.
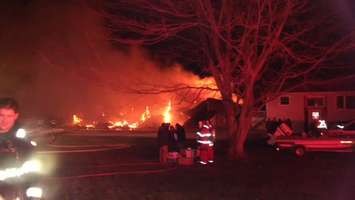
327 140
299 145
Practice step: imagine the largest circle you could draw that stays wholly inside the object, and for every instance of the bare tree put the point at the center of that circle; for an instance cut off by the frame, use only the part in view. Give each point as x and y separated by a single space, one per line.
254 49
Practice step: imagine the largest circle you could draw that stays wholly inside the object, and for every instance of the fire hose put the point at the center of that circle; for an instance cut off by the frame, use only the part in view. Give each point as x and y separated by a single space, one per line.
90 145
134 172
99 148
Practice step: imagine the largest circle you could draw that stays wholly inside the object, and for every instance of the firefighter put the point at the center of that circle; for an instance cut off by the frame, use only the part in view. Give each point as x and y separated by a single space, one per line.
14 144
12 136
205 139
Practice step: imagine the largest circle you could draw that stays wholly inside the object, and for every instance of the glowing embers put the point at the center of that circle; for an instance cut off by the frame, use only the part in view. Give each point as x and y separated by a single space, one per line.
89 126
123 124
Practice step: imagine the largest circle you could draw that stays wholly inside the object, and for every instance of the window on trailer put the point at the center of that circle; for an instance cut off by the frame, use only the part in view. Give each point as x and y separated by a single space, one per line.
340 102
350 102
284 100
315 101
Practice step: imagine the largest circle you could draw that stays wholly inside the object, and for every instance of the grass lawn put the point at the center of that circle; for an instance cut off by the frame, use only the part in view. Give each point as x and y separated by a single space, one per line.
133 173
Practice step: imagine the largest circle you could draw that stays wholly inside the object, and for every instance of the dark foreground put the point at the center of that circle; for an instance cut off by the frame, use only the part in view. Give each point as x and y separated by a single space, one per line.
133 173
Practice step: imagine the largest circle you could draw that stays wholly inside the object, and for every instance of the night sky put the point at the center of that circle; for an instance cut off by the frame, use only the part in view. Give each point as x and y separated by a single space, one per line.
53 54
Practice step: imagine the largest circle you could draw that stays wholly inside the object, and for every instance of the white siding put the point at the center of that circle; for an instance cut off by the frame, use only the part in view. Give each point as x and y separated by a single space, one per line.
335 114
294 111
296 107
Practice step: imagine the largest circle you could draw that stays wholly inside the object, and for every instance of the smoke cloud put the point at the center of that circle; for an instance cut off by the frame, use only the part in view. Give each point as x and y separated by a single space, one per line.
62 63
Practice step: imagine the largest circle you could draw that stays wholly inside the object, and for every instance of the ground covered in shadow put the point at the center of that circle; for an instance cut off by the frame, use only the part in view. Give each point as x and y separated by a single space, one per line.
133 173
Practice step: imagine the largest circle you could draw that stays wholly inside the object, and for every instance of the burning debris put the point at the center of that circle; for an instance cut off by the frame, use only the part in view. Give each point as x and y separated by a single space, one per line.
146 115
77 120
123 124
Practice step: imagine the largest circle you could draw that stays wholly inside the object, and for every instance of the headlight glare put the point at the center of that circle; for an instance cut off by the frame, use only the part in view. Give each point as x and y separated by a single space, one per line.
35 192
31 166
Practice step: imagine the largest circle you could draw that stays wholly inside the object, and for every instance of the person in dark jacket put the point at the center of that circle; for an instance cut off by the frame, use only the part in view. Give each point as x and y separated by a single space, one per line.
181 136
14 147
163 141
313 129
173 139
12 137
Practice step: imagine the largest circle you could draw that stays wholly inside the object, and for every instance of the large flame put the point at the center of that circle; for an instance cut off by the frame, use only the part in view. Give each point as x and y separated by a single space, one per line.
207 82
167 114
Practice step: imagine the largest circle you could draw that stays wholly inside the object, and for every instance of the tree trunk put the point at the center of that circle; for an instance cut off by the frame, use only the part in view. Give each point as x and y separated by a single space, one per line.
243 124
231 123
239 136
230 117
242 134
